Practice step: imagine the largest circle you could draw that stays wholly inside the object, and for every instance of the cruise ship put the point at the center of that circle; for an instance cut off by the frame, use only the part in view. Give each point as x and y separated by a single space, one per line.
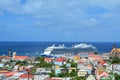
74 49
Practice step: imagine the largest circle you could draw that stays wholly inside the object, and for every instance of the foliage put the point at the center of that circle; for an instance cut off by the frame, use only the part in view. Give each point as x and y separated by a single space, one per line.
52 74
73 64
66 74
115 59
21 63
33 70
64 66
43 63
39 59
117 77
73 73
96 53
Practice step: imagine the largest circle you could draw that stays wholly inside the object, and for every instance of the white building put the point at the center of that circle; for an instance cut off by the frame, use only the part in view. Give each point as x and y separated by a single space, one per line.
41 77
116 68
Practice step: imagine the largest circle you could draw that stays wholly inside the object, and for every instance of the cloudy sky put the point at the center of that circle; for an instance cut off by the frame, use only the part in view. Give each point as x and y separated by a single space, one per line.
60 20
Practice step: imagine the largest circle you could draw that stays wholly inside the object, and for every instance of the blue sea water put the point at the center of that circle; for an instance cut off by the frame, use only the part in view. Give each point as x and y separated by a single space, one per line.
36 48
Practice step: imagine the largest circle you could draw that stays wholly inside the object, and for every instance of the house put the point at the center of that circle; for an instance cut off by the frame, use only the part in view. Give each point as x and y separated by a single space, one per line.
80 65
88 69
2 65
9 74
76 58
115 52
48 60
3 71
40 70
82 73
41 77
84 54
57 67
84 60
68 65
90 77
17 74
59 61
102 75
95 57
20 58
72 69
56 78
11 78
26 76
105 56
5 59
116 68
21 68
57 71
2 76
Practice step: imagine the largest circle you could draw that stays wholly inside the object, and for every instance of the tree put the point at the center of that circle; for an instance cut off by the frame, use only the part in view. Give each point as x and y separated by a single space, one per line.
52 74
96 53
115 59
117 77
73 73
73 64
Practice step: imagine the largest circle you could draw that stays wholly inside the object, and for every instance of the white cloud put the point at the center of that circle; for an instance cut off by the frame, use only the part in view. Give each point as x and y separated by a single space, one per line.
90 22
56 7
67 12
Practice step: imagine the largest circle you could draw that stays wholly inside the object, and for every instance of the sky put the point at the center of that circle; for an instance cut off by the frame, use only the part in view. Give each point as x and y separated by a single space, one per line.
60 20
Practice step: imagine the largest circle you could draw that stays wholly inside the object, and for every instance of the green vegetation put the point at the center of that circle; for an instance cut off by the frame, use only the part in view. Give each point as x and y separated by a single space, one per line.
67 74
33 70
115 59
117 77
21 63
52 74
43 63
64 66
96 53
73 64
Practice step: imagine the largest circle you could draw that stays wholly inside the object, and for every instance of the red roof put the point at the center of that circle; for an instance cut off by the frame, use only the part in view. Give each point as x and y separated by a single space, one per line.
5 57
21 57
104 74
8 74
61 59
48 59
102 62
26 76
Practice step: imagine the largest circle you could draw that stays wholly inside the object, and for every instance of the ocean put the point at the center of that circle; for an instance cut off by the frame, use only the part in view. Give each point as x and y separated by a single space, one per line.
36 48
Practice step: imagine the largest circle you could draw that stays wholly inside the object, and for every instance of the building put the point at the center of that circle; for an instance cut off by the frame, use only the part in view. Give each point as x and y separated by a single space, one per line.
48 60
76 58
41 77
115 52
82 73
90 77
116 68
26 76
59 61
57 71
2 76
20 58
2 65
72 69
